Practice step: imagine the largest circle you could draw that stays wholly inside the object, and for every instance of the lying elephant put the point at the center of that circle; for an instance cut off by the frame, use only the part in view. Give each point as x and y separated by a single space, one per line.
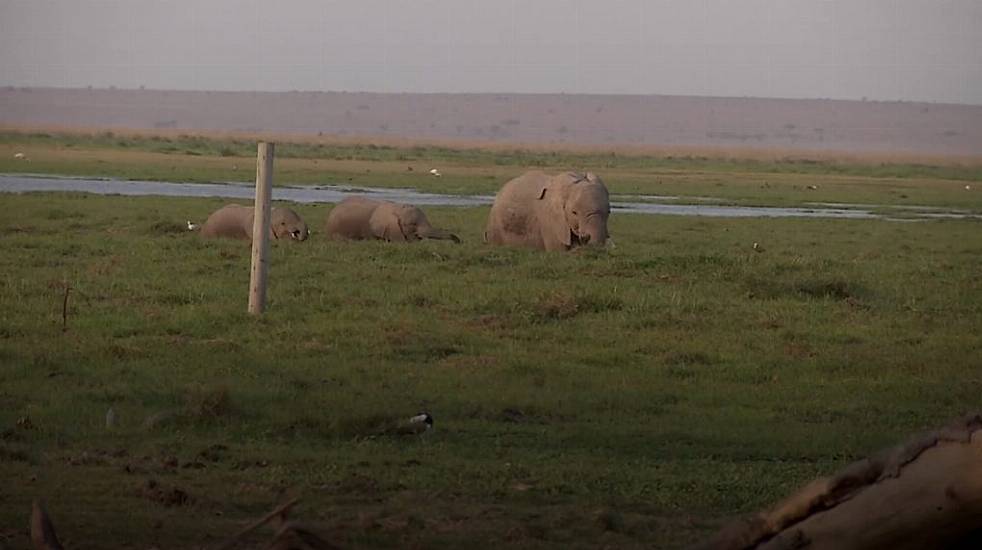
362 218
546 212
235 221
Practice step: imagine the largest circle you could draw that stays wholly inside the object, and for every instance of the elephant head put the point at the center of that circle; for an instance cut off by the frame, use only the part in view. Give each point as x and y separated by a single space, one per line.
576 209
287 224
403 222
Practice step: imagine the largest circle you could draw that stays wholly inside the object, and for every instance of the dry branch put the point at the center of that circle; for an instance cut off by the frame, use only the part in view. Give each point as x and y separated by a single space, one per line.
290 535
42 531
926 493
279 513
64 308
294 535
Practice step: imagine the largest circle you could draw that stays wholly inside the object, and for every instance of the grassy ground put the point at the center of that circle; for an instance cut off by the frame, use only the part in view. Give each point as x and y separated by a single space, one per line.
636 398
781 182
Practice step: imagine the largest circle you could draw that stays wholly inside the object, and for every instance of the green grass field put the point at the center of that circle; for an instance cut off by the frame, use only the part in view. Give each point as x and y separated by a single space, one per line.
640 397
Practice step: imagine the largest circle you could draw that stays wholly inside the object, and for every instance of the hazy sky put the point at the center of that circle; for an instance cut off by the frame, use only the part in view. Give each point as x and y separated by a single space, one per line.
881 49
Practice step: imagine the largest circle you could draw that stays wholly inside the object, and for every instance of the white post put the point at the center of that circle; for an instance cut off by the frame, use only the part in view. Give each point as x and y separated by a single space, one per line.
260 228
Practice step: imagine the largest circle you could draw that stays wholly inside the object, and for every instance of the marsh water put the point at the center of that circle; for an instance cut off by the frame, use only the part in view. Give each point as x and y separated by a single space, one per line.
651 204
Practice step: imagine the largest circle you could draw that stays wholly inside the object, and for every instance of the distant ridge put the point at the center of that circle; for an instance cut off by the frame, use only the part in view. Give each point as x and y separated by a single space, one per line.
614 120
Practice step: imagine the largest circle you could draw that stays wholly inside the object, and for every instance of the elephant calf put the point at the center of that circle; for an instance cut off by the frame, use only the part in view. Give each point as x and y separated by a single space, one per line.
235 221
362 218
547 212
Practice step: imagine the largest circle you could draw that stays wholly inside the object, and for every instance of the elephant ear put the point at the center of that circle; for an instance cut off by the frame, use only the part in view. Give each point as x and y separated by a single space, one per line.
392 230
272 222
552 214
249 219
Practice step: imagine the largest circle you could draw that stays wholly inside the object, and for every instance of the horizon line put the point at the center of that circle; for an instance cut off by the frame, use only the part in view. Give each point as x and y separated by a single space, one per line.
9 87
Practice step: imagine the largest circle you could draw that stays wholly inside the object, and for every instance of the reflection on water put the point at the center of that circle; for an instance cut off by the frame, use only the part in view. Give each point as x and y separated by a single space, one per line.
336 193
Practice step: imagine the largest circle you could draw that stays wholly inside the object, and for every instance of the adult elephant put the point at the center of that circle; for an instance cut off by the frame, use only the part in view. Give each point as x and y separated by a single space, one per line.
550 212
362 218
235 221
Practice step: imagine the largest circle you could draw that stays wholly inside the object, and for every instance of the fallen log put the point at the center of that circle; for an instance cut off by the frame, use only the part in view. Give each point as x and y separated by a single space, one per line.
926 493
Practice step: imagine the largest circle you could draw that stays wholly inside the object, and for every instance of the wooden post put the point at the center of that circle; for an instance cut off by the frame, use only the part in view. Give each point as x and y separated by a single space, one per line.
260 228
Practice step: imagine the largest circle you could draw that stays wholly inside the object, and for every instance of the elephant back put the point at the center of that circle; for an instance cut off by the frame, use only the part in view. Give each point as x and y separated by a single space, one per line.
524 188
230 221
350 218
512 217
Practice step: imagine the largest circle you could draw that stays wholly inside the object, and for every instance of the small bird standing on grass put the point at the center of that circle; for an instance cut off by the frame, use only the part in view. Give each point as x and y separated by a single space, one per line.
192 226
758 248
416 425
421 423
435 172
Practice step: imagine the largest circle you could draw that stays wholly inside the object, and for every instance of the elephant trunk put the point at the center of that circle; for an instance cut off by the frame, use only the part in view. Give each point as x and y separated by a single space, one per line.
593 233
430 232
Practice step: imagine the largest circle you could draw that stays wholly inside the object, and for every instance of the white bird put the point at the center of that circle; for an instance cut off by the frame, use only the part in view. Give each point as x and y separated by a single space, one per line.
967 187
435 172
758 248
192 226
813 187
19 156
